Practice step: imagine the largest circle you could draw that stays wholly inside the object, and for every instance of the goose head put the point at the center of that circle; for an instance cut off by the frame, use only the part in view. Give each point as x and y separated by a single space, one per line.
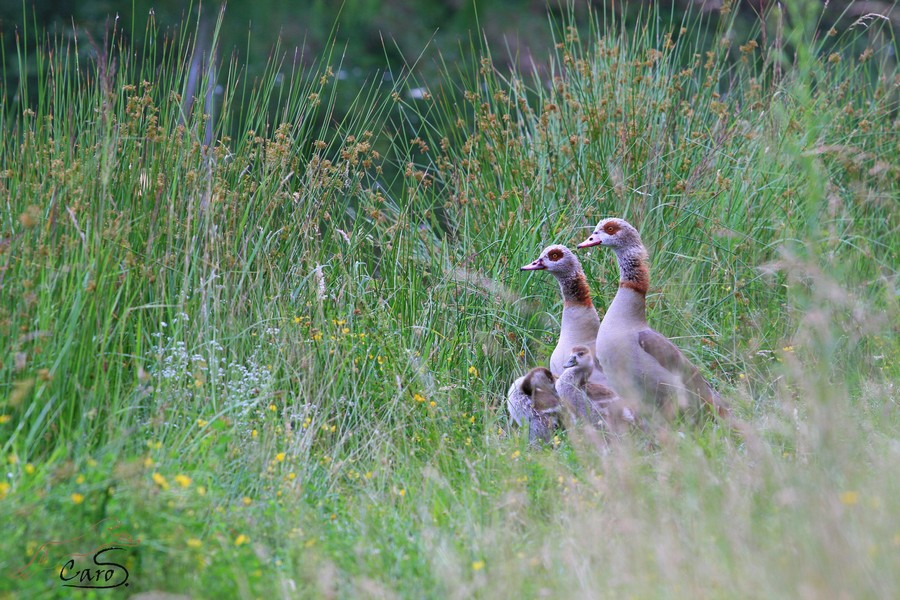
557 259
539 385
614 233
581 358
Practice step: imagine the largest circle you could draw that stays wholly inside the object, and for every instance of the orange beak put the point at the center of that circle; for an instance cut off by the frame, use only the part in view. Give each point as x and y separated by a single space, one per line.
535 266
591 241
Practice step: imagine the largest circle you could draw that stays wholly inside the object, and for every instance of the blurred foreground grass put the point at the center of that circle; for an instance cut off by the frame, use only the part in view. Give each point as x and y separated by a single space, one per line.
274 353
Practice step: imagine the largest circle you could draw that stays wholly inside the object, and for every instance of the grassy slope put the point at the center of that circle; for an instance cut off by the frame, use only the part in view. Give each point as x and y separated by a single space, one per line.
282 377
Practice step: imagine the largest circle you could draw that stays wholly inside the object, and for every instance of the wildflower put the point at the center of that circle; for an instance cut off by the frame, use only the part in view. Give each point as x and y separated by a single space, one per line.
402 493
29 469
788 348
345 330
79 480
369 475
198 383
849 498
201 423
4 489
194 543
433 403
273 408
148 462
241 540
297 320
247 500
201 490
280 457
418 397
254 433
515 454
291 476
473 371
183 480
160 481
77 498
5 419
478 565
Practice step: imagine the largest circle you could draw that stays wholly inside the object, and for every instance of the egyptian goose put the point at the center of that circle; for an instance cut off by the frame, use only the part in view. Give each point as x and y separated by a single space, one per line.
595 402
580 321
533 403
640 363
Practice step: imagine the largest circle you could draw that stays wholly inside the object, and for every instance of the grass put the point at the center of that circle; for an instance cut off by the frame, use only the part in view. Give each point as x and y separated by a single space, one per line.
272 343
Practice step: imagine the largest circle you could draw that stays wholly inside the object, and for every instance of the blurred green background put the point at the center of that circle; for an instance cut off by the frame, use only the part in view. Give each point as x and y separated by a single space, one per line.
374 38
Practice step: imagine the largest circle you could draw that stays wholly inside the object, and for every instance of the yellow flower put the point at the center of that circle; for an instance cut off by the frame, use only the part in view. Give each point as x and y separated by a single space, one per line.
77 498
5 419
273 408
29 468
849 498
478 565
473 371
201 490
433 403
369 475
788 348
79 480
4 489
183 480
402 493
515 454
148 462
418 397
160 481
297 320
198 383
254 433
345 330
241 540
194 543
201 423
247 500
279 457
291 476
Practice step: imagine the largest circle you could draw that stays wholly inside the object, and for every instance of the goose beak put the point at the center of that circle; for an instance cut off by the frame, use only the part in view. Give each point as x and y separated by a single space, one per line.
535 266
594 240
570 363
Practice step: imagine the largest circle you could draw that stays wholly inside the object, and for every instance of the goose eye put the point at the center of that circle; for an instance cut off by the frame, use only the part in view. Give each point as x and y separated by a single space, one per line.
554 255
610 229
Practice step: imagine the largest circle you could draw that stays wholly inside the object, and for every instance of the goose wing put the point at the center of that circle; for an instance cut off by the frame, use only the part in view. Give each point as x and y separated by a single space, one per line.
673 360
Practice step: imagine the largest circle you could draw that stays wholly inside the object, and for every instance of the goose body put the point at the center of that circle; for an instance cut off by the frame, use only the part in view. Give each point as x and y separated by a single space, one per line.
641 363
580 321
533 402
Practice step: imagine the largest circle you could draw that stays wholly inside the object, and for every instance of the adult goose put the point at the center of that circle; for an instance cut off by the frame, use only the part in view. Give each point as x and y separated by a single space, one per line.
532 402
641 363
580 321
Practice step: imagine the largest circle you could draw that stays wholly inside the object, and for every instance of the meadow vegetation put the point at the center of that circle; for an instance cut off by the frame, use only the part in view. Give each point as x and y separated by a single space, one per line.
273 343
